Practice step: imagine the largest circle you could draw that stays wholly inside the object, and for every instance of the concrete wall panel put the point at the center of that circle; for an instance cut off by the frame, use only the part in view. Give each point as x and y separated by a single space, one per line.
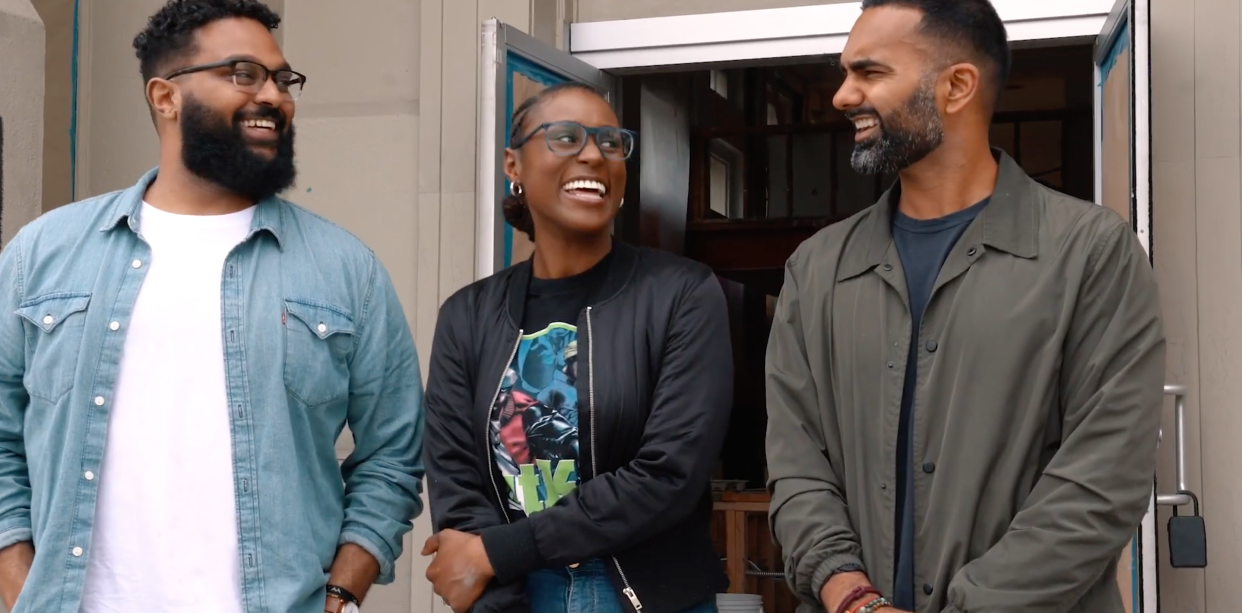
21 115
1174 227
1218 244
116 139
57 18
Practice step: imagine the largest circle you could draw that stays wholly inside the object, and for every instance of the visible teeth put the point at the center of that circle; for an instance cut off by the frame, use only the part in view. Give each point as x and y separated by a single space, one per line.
266 124
595 185
863 123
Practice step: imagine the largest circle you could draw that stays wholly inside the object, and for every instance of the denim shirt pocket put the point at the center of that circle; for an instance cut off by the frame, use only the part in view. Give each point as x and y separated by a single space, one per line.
319 344
57 322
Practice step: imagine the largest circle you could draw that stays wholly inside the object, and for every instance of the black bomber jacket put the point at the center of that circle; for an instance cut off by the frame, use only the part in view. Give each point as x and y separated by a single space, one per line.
658 388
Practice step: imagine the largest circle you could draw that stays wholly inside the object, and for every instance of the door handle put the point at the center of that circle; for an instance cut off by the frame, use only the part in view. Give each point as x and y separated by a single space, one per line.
1178 392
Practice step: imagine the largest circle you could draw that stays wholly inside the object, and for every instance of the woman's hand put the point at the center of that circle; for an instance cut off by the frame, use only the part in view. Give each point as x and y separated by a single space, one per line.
460 570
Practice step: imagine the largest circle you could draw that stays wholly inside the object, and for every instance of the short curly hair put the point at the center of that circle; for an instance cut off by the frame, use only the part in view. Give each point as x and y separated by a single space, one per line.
169 34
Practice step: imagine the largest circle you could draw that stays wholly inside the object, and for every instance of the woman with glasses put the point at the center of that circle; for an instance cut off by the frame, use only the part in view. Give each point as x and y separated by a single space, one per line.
577 401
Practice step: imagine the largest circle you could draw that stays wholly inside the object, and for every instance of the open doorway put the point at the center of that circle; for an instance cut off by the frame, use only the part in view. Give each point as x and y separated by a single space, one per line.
765 160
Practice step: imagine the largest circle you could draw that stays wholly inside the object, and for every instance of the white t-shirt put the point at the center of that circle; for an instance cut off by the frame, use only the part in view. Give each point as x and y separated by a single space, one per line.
165 535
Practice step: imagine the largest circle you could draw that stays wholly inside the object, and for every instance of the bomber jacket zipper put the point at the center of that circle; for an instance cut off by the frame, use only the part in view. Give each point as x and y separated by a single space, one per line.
628 591
487 431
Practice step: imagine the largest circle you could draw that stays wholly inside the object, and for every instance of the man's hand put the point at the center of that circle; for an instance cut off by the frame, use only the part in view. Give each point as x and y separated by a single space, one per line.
15 562
460 570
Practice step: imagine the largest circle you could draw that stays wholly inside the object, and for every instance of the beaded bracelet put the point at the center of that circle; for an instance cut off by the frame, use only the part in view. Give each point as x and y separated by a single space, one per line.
871 607
854 595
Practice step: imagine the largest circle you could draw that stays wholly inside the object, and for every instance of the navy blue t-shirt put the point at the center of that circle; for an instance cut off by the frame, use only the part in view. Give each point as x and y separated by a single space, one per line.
923 245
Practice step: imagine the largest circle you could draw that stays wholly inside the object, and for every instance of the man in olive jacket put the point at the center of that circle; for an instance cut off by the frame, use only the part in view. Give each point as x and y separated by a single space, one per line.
964 381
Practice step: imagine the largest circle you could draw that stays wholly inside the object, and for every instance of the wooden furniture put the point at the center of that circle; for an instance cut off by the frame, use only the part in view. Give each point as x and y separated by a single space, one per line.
736 506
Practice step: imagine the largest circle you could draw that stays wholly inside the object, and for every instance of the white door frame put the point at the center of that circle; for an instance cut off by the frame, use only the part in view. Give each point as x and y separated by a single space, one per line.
809 31
1132 18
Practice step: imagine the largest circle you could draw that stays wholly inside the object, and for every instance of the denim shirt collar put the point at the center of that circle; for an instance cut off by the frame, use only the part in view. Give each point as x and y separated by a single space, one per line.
128 207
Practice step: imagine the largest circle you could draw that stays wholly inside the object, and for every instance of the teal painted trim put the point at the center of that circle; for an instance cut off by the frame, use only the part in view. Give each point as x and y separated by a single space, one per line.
517 64
73 113
1120 44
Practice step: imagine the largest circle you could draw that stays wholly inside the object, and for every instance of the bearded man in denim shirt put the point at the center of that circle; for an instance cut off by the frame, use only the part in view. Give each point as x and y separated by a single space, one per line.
178 359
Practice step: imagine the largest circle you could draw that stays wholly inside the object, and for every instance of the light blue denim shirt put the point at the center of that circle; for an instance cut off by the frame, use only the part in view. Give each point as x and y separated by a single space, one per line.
314 338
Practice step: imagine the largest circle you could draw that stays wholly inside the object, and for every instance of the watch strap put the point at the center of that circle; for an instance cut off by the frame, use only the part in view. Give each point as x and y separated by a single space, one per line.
343 594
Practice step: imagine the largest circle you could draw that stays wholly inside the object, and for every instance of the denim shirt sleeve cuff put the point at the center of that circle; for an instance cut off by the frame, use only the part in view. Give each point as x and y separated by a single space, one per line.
388 567
15 530
512 550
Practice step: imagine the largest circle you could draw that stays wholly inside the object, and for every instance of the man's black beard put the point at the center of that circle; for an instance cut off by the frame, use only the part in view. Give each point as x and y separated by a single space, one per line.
906 136
216 151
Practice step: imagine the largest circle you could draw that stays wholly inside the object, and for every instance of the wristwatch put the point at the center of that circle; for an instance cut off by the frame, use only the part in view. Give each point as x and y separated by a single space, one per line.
340 600
336 605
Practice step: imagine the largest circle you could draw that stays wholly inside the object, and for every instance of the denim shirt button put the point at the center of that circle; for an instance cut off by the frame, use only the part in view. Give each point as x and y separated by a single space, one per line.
77 552
99 401
90 476
47 321
322 328
114 326
137 264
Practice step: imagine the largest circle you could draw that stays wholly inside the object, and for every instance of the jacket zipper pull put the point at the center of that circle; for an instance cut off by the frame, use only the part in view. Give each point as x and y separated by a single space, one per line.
629 593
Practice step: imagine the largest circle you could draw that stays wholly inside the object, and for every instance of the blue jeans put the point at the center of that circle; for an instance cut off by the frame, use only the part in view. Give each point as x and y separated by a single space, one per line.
586 589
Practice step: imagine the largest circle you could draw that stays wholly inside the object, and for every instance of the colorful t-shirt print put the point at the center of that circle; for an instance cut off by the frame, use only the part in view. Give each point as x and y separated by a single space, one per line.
534 425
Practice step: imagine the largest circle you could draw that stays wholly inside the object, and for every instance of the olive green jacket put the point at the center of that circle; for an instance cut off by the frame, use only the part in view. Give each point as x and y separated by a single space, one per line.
1036 415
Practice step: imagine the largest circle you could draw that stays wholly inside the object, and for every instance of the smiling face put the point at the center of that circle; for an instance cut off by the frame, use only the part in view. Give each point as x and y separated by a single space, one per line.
239 140
890 91
573 195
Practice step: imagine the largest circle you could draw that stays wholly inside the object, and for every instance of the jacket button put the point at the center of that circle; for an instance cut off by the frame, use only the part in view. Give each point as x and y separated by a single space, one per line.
927 589
887 267
929 467
932 346
971 252
884 486
891 365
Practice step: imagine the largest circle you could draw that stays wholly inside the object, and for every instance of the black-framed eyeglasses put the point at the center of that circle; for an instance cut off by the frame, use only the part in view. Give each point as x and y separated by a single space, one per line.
250 76
567 138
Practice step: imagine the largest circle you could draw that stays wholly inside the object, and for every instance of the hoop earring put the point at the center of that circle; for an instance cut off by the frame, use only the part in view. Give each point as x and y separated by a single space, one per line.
515 189
622 203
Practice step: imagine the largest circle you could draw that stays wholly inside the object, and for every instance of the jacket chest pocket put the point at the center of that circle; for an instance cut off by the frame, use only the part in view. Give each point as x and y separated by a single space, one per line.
55 327
319 342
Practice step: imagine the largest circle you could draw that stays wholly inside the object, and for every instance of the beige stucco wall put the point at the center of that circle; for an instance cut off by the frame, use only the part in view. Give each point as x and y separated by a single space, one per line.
21 113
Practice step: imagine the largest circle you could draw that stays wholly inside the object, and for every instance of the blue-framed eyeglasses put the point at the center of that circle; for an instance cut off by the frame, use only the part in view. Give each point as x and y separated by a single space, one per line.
568 138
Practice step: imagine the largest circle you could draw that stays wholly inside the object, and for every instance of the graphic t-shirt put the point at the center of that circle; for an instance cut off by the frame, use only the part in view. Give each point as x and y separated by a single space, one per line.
534 425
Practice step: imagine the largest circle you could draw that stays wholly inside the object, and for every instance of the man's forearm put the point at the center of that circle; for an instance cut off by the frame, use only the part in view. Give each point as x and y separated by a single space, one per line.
839 587
354 569
15 561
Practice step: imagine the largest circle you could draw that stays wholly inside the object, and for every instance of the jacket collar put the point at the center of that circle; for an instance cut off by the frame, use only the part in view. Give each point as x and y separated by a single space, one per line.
1010 221
127 207
620 271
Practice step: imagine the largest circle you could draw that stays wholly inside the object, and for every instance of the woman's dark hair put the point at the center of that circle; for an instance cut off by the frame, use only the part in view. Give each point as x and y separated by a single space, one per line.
517 213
